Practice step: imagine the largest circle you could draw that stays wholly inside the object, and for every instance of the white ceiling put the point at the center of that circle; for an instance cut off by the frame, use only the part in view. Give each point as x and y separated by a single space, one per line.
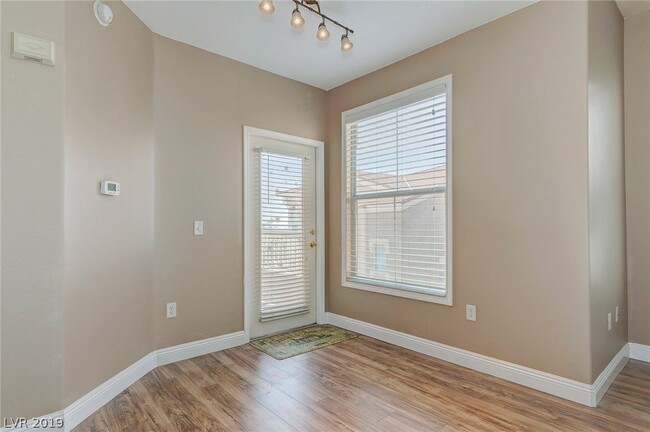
385 32
632 7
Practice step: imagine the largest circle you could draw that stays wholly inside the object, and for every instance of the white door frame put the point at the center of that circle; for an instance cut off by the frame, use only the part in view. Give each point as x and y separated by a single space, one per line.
249 258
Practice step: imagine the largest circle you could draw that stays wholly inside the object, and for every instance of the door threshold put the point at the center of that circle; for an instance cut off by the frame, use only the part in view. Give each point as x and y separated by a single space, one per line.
284 331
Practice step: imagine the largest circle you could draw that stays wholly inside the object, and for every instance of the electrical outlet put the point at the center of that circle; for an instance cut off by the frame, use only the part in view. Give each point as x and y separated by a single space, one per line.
171 310
609 321
618 313
471 312
198 228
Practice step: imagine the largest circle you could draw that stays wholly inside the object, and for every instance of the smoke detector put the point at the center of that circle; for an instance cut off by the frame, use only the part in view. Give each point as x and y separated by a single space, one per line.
103 13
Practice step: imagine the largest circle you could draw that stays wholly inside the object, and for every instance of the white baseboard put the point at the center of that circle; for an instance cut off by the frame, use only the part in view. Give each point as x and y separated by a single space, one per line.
86 405
194 349
565 388
609 374
556 385
83 407
640 352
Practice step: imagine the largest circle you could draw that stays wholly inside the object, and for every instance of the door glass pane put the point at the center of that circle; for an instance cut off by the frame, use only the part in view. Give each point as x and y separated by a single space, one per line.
284 278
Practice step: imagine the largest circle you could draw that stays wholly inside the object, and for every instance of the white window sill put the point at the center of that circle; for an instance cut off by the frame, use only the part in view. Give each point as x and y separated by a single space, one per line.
431 298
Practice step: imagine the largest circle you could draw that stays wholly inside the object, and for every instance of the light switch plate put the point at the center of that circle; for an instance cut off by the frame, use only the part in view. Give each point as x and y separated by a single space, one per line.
198 228
471 312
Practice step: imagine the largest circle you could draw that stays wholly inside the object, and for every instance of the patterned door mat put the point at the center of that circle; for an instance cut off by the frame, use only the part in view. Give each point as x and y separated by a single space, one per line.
302 340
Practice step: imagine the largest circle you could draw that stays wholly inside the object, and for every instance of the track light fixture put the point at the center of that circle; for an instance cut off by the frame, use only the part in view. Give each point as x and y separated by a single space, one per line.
297 20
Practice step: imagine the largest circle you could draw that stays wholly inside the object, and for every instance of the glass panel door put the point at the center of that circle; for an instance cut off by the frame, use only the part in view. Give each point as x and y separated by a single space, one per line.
285 248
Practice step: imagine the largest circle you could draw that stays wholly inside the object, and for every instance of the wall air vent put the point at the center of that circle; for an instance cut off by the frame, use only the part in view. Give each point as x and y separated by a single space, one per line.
30 48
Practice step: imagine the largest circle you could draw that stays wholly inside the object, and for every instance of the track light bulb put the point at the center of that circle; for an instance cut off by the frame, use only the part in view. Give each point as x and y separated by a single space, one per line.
346 44
266 7
322 34
297 20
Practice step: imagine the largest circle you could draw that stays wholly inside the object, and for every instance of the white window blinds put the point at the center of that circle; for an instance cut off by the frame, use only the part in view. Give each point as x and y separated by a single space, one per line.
283 276
396 194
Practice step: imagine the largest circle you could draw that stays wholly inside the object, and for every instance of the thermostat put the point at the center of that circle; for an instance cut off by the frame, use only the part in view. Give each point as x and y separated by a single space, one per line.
110 188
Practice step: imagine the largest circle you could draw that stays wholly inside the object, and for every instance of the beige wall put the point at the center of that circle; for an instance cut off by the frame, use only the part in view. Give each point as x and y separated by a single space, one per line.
108 240
606 183
97 122
32 214
637 161
520 191
202 102
165 119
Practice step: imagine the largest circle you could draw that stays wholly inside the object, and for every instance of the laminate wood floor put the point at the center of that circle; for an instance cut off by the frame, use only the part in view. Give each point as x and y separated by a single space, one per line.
358 385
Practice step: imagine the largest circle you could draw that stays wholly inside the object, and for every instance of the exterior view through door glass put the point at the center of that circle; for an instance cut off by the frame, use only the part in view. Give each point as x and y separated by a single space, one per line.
284 207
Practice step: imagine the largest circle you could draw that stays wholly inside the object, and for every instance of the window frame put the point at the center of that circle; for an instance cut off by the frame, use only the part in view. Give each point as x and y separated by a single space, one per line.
369 109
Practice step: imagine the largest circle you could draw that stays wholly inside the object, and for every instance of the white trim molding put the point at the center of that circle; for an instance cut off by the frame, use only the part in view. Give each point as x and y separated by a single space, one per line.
565 388
86 405
640 352
609 374
202 347
83 407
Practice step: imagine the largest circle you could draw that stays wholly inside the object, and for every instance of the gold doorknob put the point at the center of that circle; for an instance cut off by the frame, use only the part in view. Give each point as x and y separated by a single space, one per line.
312 244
